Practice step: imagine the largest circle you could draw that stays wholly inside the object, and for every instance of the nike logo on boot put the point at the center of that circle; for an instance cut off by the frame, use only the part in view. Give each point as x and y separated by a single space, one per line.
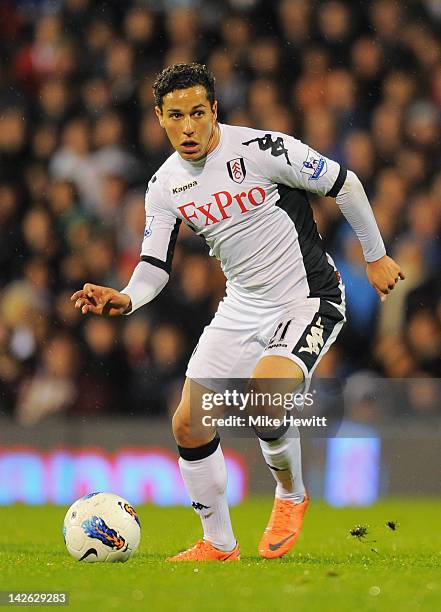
281 543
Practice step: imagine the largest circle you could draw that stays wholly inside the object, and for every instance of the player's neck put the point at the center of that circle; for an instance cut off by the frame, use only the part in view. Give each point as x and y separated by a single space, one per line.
213 143
214 139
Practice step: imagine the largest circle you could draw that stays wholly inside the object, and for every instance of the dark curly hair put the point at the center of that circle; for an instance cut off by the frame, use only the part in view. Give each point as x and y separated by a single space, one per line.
182 76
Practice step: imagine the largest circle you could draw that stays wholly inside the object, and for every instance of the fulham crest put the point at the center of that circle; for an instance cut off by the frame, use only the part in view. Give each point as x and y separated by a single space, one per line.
236 169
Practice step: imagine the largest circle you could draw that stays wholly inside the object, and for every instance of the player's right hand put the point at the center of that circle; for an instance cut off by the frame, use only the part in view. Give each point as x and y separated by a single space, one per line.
383 275
101 300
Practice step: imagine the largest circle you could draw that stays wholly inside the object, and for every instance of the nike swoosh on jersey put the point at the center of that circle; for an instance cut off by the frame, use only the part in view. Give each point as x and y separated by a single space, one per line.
281 543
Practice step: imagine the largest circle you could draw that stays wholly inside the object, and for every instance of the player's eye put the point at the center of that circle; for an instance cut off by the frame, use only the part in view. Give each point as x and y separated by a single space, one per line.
176 115
199 113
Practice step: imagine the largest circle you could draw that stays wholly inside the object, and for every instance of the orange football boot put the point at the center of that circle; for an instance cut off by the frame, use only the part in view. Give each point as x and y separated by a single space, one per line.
204 551
283 528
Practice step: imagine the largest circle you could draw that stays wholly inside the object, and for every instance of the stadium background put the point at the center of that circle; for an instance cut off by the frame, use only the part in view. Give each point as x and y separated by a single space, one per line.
358 81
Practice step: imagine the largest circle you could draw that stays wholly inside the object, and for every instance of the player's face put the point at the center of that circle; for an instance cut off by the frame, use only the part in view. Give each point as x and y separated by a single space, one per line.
190 121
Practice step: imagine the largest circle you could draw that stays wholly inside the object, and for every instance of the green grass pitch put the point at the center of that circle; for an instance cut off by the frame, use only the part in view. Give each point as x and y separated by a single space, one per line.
328 569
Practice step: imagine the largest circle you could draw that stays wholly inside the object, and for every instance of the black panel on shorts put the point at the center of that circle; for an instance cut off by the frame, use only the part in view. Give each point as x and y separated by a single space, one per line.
321 276
309 346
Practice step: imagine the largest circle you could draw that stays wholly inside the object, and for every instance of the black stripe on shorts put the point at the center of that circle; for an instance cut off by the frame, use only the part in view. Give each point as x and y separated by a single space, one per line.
316 334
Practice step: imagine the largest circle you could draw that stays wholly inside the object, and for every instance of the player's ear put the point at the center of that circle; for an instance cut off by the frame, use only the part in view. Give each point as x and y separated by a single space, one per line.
214 109
158 112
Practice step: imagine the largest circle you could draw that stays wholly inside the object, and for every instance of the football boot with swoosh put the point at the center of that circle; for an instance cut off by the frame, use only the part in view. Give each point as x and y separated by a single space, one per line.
283 528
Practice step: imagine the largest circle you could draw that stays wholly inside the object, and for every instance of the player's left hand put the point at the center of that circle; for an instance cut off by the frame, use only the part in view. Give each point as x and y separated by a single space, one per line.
383 275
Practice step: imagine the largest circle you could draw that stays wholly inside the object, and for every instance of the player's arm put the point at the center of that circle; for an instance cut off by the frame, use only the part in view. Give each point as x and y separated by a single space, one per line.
150 275
382 271
291 162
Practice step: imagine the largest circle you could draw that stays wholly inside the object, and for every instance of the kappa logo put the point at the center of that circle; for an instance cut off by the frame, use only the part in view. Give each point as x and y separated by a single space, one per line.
236 169
314 340
148 224
277 345
199 506
185 187
276 146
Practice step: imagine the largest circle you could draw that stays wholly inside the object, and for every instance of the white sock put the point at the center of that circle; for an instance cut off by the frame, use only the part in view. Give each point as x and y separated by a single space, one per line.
284 456
206 483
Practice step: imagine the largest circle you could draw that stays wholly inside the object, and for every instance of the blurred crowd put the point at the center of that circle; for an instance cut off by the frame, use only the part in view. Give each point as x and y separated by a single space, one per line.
358 81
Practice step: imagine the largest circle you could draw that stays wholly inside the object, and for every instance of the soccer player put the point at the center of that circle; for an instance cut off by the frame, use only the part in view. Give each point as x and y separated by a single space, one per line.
244 191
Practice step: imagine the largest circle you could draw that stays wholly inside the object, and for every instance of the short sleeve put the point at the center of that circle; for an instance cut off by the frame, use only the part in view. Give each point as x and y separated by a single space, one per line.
288 161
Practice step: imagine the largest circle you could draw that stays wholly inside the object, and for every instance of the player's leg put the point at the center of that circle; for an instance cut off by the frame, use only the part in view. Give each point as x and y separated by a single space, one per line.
282 453
203 470
292 354
281 448
228 348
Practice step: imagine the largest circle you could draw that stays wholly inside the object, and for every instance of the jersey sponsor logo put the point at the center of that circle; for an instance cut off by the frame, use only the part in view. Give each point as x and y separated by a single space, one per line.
185 187
236 169
216 211
148 225
314 165
276 146
314 339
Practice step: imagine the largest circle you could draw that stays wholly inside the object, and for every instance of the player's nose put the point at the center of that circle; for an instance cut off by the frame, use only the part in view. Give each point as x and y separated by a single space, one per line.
188 127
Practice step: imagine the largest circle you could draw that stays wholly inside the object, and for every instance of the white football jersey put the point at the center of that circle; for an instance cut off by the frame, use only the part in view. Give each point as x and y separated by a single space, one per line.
248 199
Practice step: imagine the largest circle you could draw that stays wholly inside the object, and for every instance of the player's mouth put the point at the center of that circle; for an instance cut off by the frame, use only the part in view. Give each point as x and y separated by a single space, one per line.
189 146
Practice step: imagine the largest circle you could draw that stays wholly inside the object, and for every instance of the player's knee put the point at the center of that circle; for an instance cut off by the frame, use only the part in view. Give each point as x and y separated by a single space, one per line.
181 426
190 433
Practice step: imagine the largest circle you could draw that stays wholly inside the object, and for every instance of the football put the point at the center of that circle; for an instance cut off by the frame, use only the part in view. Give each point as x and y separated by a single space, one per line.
101 527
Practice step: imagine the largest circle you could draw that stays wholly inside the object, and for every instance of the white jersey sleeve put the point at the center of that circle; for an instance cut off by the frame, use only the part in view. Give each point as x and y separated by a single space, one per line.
290 162
161 229
160 234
